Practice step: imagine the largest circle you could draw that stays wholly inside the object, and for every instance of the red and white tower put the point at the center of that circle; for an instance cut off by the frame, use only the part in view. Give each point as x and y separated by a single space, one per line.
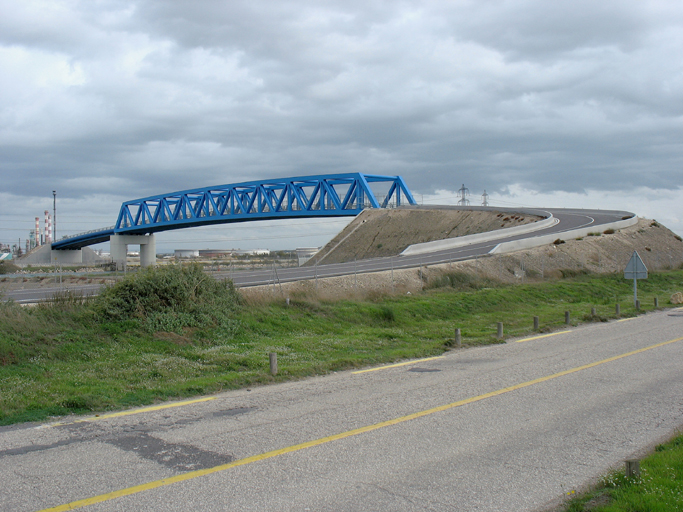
48 227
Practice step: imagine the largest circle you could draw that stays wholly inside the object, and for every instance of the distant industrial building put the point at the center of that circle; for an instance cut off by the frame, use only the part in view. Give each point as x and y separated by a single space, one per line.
215 253
180 254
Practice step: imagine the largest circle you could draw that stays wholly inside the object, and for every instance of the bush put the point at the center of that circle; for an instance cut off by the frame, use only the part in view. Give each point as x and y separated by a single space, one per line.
609 231
168 298
461 281
7 268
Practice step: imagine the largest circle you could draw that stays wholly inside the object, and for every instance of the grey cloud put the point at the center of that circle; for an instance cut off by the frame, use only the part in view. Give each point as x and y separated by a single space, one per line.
182 94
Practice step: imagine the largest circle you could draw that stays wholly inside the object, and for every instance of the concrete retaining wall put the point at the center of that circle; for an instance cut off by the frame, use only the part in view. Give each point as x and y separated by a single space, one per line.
537 241
462 241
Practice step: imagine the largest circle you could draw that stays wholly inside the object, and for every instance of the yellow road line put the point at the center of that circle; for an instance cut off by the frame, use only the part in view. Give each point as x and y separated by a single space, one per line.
627 319
397 364
323 440
542 336
129 413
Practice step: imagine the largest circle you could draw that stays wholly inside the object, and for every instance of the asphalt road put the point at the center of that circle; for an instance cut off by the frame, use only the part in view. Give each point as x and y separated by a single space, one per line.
38 294
507 427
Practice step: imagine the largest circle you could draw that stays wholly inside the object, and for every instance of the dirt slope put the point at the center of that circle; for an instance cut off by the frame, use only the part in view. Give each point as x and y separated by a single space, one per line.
377 233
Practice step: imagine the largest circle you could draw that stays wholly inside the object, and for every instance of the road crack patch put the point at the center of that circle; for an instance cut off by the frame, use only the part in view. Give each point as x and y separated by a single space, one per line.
180 457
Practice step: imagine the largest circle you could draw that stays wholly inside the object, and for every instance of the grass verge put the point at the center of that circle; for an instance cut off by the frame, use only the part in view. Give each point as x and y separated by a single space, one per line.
659 488
174 333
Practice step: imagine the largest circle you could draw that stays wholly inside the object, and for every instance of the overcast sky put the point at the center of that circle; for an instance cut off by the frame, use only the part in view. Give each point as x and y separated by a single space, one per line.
576 104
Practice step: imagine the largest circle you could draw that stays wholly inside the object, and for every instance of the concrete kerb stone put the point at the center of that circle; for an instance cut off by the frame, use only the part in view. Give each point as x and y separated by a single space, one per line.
537 241
462 241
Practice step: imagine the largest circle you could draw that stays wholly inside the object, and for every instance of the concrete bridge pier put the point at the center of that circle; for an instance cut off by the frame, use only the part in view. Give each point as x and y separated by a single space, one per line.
119 249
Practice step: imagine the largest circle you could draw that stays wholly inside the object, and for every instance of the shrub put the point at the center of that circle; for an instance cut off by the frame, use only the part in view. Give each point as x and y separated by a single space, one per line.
609 231
168 298
558 241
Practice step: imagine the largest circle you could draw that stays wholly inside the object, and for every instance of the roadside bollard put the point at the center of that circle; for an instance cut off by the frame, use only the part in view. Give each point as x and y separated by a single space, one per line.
535 323
458 338
500 330
632 468
618 309
273 363
656 302
638 305
593 311
566 317
288 301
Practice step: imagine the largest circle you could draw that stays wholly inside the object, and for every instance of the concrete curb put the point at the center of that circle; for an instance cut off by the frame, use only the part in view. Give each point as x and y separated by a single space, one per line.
462 241
537 241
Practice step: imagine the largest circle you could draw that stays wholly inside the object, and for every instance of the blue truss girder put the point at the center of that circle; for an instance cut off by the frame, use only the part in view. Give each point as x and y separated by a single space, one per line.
331 195
307 196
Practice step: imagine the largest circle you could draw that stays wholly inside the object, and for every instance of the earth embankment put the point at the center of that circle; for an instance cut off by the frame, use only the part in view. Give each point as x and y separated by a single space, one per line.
379 233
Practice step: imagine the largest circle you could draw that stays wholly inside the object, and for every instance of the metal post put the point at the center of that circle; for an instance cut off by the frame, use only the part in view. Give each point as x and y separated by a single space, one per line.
54 215
458 338
656 302
635 292
392 274
521 265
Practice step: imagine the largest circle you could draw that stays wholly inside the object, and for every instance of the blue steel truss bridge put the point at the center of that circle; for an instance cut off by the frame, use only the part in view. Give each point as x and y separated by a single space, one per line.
332 195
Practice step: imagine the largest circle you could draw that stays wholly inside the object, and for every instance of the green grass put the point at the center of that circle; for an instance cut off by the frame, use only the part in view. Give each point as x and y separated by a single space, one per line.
658 489
165 335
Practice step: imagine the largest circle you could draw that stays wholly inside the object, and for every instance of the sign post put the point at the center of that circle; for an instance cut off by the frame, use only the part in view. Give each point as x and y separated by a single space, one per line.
635 269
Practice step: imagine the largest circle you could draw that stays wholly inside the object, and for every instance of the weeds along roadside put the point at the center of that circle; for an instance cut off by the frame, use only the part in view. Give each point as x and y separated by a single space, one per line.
175 332
659 487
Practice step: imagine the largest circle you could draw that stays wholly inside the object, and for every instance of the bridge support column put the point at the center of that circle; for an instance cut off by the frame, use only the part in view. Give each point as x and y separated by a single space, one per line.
66 256
148 252
119 249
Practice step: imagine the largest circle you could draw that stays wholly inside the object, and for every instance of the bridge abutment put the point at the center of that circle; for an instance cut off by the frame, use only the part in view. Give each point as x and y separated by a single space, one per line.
119 249
66 256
